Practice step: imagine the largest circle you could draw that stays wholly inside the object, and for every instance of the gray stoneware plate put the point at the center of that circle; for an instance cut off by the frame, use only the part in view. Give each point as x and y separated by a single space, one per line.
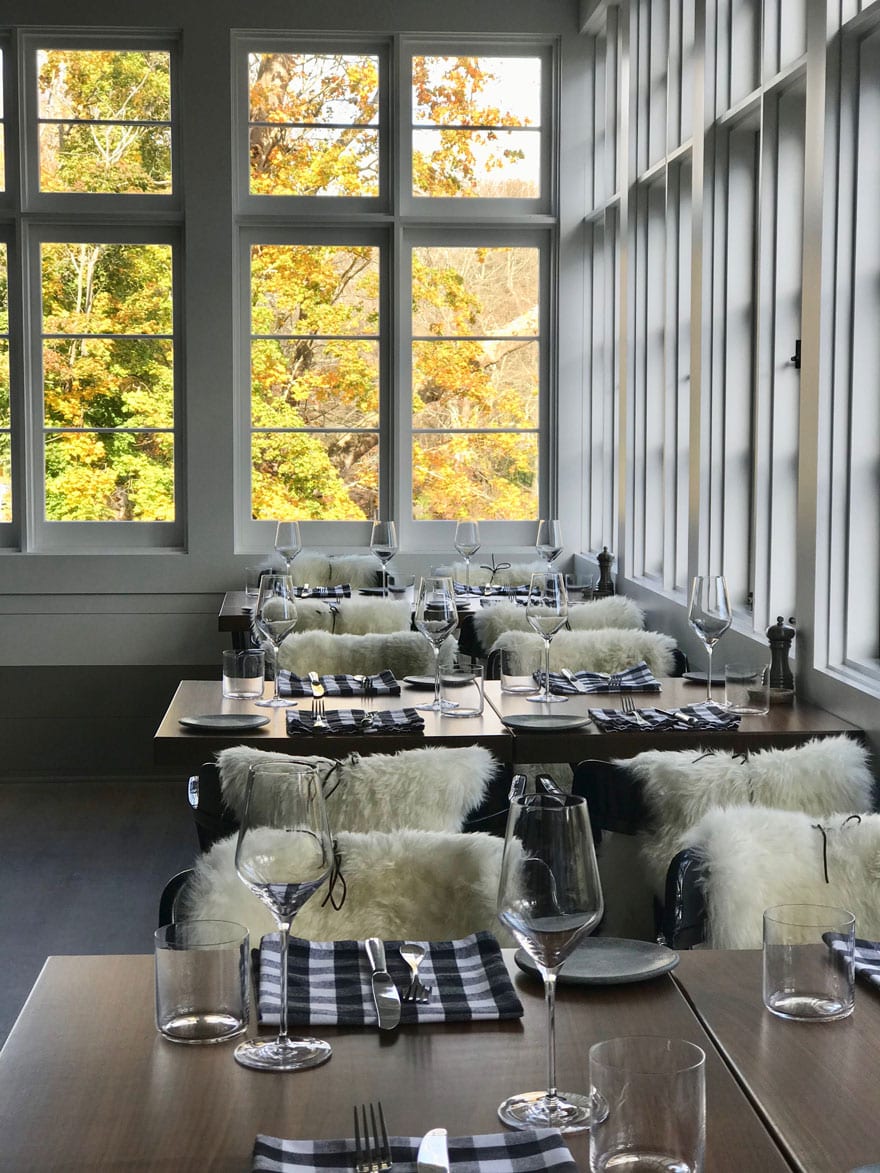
210 722
544 722
609 961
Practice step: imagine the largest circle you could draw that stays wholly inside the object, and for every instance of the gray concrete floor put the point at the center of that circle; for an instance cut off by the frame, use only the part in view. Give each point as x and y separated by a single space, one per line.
82 866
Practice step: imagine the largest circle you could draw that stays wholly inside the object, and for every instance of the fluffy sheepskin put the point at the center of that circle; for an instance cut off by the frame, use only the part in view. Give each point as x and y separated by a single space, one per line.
756 857
404 652
514 575
822 776
419 884
430 789
608 650
353 616
492 622
358 570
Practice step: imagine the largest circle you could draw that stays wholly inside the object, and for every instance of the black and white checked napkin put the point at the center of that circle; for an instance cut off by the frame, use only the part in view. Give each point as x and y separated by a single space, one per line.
636 678
357 721
324 592
526 1151
380 684
705 716
328 982
498 591
866 956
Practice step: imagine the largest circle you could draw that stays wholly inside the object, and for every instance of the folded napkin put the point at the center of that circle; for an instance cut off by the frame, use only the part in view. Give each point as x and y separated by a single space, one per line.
380 684
636 678
526 1151
499 590
689 717
325 592
328 982
357 721
867 956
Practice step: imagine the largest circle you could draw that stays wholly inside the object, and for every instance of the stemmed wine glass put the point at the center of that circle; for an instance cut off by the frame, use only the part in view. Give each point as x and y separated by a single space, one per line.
709 614
383 543
549 540
275 618
547 612
436 617
284 853
467 542
288 542
549 896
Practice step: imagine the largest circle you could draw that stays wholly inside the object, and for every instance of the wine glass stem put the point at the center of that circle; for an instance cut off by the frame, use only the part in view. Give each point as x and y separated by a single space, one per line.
550 999
277 694
709 673
436 649
546 669
284 926
467 572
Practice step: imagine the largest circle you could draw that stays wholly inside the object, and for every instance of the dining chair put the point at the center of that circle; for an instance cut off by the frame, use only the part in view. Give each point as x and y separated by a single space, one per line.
353 616
405 653
317 569
609 649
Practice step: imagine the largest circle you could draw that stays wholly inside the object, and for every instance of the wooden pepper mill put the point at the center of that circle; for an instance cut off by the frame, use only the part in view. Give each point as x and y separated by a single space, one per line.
780 634
605 585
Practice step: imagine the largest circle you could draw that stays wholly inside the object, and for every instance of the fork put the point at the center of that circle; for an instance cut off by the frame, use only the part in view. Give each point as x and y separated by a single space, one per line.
317 702
629 707
412 953
374 1152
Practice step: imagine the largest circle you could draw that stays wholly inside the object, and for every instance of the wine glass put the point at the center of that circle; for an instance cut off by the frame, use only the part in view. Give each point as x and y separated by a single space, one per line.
549 896
546 612
709 614
383 543
436 617
467 542
549 540
284 853
288 542
275 618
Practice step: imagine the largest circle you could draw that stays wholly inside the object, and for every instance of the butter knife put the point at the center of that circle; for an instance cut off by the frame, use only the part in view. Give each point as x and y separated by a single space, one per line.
433 1155
386 995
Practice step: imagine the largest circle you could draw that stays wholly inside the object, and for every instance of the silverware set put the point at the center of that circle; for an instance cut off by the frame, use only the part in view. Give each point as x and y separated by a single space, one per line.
318 690
629 707
413 953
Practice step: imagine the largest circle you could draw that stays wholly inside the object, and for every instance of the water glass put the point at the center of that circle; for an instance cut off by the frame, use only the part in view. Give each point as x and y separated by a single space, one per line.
475 695
747 689
517 676
804 979
201 980
648 1100
243 674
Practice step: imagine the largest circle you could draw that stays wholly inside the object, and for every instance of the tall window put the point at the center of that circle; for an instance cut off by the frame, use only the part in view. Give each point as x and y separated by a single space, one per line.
5 421
372 335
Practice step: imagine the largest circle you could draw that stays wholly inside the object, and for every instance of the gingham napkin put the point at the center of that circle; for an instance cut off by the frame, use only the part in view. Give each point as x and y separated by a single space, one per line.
325 592
498 591
380 684
357 721
689 717
526 1151
328 982
866 955
636 678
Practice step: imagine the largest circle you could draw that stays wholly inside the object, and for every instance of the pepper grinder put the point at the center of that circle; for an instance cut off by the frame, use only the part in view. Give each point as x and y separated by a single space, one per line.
605 585
780 634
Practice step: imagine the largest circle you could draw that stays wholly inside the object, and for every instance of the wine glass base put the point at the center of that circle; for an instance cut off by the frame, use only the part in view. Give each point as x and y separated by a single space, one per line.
550 699
274 1055
441 706
571 1111
276 702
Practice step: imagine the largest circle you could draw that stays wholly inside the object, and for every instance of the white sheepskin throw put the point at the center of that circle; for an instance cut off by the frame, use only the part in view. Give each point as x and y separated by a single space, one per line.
404 652
756 857
492 622
430 789
420 884
353 616
608 650
822 776
316 569
517 574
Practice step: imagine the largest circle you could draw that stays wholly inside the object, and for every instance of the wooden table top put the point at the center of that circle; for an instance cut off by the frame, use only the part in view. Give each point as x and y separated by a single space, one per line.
784 725
174 744
87 1084
817 1084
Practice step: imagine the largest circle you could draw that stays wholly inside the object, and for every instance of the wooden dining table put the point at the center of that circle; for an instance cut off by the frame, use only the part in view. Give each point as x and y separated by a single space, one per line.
87 1084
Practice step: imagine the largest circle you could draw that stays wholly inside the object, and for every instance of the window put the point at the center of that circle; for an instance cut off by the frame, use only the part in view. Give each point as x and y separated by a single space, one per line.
5 421
395 366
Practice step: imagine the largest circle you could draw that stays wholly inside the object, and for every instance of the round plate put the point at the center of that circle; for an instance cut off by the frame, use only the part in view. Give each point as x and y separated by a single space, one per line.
450 679
700 677
544 722
609 961
216 721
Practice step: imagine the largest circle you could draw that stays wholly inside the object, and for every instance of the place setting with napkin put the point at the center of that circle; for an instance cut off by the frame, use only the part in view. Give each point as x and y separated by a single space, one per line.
636 678
704 716
339 721
383 683
343 591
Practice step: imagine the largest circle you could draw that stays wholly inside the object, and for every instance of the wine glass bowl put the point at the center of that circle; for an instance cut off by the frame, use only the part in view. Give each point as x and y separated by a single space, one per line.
549 897
383 543
467 542
283 854
288 542
436 617
709 614
546 613
274 619
548 543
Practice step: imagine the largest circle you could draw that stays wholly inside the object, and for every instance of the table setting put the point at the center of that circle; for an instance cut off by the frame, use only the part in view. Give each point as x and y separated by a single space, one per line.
704 716
341 721
382 683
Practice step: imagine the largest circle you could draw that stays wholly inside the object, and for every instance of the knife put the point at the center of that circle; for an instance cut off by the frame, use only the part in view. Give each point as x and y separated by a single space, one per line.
385 994
433 1155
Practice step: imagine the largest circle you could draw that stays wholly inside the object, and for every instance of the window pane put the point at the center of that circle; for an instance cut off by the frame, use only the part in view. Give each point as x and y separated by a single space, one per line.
108 368
104 121
5 477
2 136
486 115
486 477
315 376
310 120
475 384
5 435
